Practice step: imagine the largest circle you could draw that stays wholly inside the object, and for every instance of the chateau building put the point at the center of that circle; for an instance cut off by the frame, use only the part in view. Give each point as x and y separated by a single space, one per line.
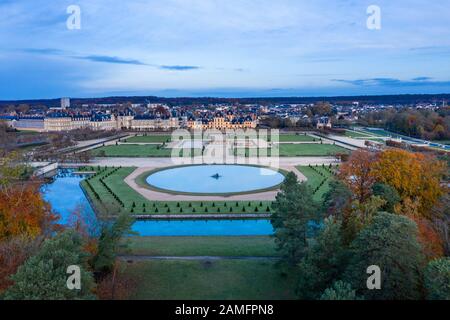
222 122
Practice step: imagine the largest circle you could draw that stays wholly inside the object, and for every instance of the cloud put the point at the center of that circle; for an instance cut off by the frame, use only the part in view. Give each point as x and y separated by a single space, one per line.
179 68
111 59
50 51
422 79
383 82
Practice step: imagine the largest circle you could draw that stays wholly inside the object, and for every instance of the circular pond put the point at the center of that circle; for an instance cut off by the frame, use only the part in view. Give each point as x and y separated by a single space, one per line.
215 179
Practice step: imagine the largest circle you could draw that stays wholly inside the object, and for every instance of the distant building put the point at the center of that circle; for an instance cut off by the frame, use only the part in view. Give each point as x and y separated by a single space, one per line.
65 103
323 122
222 121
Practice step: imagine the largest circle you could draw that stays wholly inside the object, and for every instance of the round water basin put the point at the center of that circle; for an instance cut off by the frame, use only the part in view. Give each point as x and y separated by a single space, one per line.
215 179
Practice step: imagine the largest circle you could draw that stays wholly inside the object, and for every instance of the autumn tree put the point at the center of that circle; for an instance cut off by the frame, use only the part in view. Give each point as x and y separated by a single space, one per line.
415 176
358 175
441 221
23 212
13 253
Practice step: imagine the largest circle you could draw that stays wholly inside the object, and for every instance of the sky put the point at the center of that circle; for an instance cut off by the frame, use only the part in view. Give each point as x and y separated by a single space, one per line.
222 48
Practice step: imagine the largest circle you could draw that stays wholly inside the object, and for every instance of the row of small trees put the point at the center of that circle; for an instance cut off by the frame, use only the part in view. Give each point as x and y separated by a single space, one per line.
248 208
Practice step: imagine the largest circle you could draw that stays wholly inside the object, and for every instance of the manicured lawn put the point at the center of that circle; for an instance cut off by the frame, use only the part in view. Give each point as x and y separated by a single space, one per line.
303 150
135 203
295 138
310 149
210 280
149 139
260 246
355 134
136 150
315 176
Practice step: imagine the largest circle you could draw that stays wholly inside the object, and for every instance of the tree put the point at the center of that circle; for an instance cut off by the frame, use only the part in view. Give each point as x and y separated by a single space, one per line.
340 290
389 242
358 175
437 279
23 212
294 211
429 238
324 261
441 221
337 199
321 108
359 216
12 171
13 253
109 243
388 193
415 176
44 275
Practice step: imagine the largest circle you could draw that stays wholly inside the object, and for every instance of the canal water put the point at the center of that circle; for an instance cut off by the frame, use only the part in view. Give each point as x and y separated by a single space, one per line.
66 196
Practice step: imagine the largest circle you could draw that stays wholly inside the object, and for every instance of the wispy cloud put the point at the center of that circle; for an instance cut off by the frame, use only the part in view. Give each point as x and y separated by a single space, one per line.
179 68
50 51
373 82
111 59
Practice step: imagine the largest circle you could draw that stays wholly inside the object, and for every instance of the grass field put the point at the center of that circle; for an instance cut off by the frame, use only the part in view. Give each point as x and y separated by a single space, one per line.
149 139
292 137
315 176
136 150
291 150
131 201
258 246
304 150
355 134
210 280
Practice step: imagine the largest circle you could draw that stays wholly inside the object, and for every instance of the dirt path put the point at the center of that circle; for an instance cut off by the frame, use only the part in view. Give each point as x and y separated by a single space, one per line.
194 258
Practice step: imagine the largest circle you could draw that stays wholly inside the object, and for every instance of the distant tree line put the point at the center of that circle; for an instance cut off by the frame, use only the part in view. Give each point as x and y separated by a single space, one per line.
419 123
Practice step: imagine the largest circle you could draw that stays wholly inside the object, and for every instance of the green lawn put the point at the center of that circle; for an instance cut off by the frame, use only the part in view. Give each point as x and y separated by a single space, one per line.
136 150
149 139
355 134
135 203
303 150
260 246
291 150
315 176
210 280
295 138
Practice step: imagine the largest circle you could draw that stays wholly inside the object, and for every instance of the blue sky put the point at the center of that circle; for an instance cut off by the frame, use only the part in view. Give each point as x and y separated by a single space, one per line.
222 48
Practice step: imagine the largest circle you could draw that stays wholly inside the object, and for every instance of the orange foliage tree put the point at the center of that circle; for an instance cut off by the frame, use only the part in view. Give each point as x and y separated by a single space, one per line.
23 212
13 253
357 173
416 177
